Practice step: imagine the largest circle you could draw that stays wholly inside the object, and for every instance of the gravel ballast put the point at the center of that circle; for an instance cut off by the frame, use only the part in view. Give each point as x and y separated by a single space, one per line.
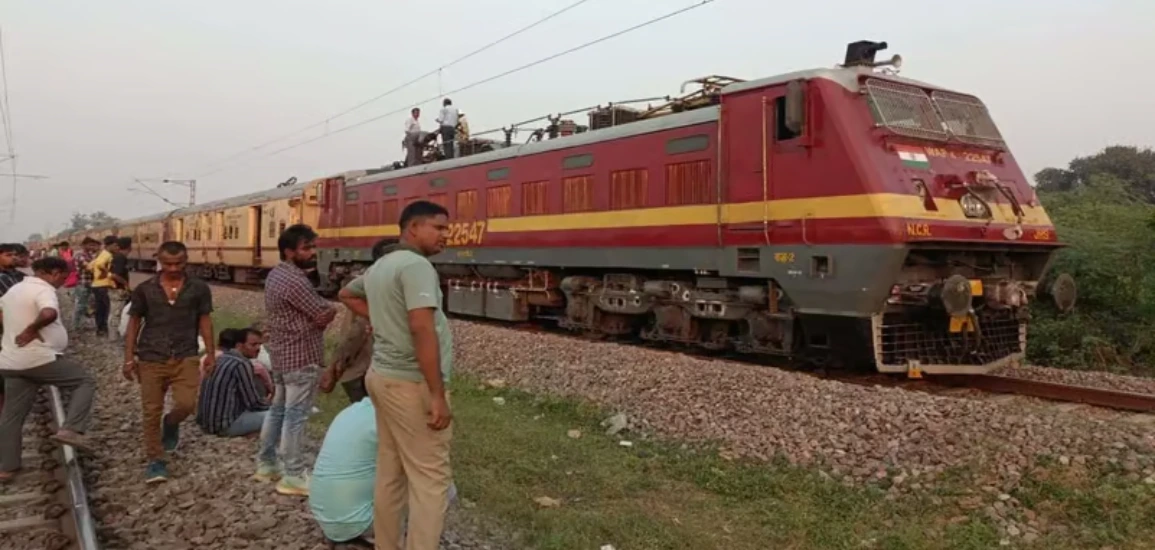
855 431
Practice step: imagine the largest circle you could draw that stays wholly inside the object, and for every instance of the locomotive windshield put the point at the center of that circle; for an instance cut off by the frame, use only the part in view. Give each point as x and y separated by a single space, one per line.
939 115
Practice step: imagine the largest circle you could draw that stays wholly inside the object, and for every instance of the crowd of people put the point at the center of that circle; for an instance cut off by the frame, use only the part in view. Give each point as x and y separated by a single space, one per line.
383 471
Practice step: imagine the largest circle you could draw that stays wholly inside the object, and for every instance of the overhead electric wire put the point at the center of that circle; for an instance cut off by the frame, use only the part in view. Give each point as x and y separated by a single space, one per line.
398 88
7 119
480 82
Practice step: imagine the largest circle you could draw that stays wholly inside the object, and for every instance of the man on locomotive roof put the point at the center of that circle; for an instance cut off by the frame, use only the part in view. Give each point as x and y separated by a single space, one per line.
174 308
412 360
448 121
295 326
412 138
32 356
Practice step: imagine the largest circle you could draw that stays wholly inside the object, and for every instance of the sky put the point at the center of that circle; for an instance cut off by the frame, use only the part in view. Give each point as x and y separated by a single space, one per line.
104 92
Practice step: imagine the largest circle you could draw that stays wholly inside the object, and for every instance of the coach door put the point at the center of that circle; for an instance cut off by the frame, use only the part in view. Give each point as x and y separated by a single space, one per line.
253 237
332 203
760 159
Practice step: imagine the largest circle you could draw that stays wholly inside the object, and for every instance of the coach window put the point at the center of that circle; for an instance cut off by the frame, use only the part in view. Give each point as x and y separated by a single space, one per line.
438 182
497 174
390 190
688 144
577 161
350 196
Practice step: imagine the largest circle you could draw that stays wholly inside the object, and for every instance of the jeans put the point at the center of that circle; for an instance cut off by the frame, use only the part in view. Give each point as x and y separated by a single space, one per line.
247 423
103 305
21 386
448 135
82 294
284 425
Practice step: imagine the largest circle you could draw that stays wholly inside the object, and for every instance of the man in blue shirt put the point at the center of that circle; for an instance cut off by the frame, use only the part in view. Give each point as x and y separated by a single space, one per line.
341 488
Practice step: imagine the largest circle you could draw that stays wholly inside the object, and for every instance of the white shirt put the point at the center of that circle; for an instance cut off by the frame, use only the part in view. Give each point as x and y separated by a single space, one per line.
412 126
22 304
448 116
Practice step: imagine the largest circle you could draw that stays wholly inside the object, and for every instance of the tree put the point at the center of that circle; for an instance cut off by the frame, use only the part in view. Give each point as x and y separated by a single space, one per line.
1131 165
82 222
1108 223
34 238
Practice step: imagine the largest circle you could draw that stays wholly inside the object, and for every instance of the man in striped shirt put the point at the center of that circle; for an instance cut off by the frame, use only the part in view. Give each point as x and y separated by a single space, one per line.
295 325
230 402
9 274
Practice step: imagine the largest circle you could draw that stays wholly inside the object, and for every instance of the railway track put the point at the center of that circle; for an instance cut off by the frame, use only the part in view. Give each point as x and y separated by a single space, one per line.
987 383
46 506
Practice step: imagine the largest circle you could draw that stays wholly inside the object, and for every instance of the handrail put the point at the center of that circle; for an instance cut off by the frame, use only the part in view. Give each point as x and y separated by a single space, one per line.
85 528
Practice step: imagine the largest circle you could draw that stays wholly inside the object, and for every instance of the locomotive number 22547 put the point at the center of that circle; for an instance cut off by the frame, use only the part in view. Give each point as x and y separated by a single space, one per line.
466 233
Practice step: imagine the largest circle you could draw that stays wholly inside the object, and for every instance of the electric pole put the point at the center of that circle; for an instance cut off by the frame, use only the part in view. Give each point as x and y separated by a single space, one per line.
192 188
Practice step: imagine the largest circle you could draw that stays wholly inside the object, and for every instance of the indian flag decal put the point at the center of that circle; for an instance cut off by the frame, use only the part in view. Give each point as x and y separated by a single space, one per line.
913 157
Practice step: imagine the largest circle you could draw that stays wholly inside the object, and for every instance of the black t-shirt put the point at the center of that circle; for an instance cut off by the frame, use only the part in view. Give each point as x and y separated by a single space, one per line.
119 267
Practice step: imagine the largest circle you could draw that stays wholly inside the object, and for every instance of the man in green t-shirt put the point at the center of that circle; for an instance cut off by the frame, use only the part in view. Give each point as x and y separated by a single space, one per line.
400 294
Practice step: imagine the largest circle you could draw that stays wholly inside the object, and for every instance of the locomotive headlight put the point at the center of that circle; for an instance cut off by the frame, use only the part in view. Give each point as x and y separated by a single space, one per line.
973 207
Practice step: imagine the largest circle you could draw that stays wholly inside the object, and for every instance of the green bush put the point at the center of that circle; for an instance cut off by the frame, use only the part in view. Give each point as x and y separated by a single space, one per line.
1108 224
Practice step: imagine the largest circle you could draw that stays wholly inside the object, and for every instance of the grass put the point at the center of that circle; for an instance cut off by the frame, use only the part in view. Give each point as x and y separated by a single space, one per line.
664 495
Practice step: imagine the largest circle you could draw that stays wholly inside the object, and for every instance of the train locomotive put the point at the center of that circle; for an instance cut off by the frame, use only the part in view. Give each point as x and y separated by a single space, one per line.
845 216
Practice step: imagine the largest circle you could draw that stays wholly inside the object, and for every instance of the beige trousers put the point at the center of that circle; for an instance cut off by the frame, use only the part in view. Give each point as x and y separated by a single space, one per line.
412 465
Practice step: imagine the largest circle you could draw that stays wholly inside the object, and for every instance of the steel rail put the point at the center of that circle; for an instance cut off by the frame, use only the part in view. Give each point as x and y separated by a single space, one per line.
81 514
1099 397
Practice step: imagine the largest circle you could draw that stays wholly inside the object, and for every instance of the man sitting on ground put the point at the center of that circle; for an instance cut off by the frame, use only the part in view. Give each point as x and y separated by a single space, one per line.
342 486
230 401
32 356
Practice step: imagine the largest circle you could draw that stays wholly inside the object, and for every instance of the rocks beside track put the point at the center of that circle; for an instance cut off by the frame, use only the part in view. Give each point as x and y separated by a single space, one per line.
890 436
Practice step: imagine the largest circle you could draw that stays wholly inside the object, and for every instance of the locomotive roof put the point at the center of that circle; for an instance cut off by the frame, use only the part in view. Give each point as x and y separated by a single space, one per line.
688 118
846 77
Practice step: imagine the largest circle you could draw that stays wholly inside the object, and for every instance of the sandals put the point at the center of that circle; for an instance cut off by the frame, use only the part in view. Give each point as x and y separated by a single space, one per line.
6 477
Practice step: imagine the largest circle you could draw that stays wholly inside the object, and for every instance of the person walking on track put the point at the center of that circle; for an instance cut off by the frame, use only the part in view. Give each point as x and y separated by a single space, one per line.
102 284
32 356
162 356
295 330
412 358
